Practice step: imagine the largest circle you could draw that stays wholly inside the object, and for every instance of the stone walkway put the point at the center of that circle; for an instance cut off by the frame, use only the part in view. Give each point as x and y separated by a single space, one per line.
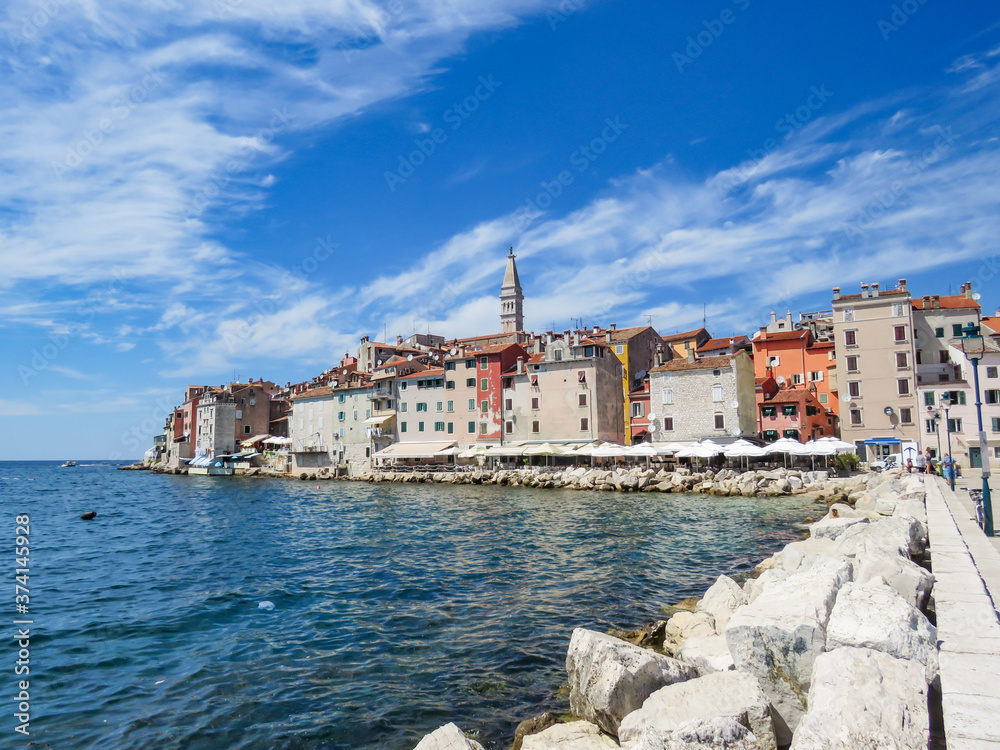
966 568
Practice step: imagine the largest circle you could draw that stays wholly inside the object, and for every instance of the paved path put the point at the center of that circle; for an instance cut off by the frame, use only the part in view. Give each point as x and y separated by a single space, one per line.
966 568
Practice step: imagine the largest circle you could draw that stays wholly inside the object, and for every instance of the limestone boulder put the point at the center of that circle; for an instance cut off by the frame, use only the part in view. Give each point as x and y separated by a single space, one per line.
754 586
865 699
901 535
574 735
721 600
707 654
913 582
800 556
534 725
779 635
724 732
672 712
609 677
688 625
448 737
873 615
831 527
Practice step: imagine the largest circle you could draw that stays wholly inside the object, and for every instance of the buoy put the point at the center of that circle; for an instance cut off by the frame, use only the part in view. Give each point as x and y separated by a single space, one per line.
90 515
266 605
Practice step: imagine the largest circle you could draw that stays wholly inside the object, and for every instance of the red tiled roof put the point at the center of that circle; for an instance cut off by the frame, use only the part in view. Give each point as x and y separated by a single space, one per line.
703 363
723 343
493 349
782 335
428 373
623 334
953 302
323 390
992 323
685 335
788 396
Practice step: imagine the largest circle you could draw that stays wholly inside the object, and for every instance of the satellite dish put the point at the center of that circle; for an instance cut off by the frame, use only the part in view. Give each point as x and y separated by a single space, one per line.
379 363
735 404
780 379
652 416
735 432
976 295
640 375
335 383
454 351
653 428
344 372
846 398
409 357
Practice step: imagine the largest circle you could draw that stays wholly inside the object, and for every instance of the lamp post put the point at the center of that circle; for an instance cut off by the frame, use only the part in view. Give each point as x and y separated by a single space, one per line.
936 419
946 403
974 347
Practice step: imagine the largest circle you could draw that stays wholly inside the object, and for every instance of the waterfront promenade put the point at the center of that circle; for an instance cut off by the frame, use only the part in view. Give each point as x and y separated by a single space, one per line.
966 566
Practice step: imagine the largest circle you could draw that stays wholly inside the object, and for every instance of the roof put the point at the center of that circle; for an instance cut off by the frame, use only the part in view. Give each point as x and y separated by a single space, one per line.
510 279
882 293
488 336
724 343
624 334
952 302
492 349
323 390
428 373
391 362
992 323
702 363
686 335
783 335
788 396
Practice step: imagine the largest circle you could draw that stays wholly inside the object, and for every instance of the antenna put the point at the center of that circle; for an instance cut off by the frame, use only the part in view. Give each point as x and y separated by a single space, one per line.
704 315
649 319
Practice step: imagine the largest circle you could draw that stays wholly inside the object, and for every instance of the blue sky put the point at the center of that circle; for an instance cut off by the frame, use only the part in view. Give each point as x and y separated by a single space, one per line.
196 189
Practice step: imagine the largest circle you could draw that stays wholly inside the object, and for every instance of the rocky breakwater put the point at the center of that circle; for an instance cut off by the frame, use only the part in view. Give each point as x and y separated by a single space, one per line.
827 647
773 483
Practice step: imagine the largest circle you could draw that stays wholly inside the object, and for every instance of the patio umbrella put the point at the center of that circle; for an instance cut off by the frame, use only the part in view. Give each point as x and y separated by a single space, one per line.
646 450
608 450
837 443
473 452
744 449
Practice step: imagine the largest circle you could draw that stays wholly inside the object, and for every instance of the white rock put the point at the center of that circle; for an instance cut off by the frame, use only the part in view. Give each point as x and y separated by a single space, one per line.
754 586
865 699
902 535
721 600
707 655
913 582
609 677
842 510
799 556
829 527
778 636
676 708
689 625
723 732
574 735
448 737
873 615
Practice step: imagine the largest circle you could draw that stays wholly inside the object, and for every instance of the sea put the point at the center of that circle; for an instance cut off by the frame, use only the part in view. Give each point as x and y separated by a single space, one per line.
228 612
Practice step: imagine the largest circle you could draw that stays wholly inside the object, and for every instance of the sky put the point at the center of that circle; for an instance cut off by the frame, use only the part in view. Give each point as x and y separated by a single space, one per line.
192 190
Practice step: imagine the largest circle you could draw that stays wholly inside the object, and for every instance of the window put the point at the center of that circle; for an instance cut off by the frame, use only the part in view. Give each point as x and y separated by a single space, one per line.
584 424
472 404
535 426
472 427
638 410
852 363
943 377
439 427
484 406
770 434
343 397
470 364
470 383
581 376
931 425
793 434
588 351
996 424
797 378
402 426
668 424
991 372
508 404
928 398
717 393
939 332
246 429
944 357
420 426
856 417
789 410
449 366
619 348
854 389
484 428
583 399
851 338
773 361
484 363
450 385
899 333
440 406
898 310
668 395
341 416
957 398
903 386
906 415
534 381
769 411
902 361
557 355
451 406
484 384
824 398
992 396
920 358
848 314
720 421
956 330
451 428
955 424
509 426
534 403
239 414
816 376
402 385
355 416
421 407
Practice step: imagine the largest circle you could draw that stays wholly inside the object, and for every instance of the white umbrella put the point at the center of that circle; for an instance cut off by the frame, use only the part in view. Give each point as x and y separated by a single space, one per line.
609 450
278 441
642 449
784 445
700 451
837 443
473 452
816 448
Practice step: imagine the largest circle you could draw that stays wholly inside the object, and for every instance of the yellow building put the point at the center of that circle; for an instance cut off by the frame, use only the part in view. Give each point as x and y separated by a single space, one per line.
636 350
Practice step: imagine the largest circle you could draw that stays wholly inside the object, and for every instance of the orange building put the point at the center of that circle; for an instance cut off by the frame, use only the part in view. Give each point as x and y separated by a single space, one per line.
796 359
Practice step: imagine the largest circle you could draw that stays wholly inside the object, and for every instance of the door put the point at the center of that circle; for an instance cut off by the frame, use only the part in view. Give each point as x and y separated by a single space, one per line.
975 458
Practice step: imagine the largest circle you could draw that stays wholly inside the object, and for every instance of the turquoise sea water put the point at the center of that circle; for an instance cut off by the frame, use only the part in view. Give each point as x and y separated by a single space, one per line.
398 608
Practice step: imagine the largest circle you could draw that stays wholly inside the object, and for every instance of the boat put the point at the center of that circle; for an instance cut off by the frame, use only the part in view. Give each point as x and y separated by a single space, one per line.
68 464
220 466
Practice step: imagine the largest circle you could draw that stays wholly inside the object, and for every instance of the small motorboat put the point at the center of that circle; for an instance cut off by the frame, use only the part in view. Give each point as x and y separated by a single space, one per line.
68 464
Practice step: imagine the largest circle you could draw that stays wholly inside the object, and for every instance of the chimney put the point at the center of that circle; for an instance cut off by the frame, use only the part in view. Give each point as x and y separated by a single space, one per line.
691 355
902 285
576 338
566 336
548 338
968 290
614 326
399 339
774 316
364 339
864 290
926 299
520 365
936 301
607 336
875 289
836 292
659 355
788 317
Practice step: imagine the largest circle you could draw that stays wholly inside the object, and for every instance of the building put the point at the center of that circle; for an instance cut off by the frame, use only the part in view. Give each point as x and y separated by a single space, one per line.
679 344
794 413
383 398
796 358
180 443
462 387
570 392
728 345
426 416
329 426
253 407
636 349
511 299
215 427
875 350
492 363
697 398
638 410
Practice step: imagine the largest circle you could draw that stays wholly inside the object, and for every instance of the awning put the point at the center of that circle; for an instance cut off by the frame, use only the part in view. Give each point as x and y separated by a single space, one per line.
882 441
413 450
371 421
254 439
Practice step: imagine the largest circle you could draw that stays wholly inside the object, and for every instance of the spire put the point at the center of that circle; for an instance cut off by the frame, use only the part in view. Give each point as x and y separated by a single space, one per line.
511 299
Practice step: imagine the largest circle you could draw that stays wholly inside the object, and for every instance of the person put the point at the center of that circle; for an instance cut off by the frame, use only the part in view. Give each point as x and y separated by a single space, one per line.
931 462
909 466
921 463
948 466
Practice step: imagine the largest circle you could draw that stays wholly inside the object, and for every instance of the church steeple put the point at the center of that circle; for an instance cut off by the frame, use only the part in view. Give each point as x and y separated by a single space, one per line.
511 299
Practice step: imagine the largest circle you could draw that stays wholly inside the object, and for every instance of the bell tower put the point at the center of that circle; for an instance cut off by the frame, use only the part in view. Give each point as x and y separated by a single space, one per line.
511 299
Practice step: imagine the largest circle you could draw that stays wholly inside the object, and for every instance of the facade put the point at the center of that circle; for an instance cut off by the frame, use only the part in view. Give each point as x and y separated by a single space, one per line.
463 388
511 299
679 344
795 358
570 392
253 407
215 428
710 397
728 345
491 364
425 413
383 397
638 410
328 427
636 349
794 413
875 349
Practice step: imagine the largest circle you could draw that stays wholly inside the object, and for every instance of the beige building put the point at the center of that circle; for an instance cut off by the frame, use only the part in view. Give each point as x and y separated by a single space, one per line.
215 425
329 427
570 392
876 355
694 398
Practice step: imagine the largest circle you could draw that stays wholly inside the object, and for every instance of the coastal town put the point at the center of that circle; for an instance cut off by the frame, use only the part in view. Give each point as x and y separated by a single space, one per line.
885 370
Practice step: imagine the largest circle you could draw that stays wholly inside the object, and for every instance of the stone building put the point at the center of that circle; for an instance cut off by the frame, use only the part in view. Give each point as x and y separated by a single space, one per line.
328 426
215 427
710 397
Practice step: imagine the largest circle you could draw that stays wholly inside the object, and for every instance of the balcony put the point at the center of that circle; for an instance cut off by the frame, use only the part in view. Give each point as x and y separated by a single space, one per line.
310 449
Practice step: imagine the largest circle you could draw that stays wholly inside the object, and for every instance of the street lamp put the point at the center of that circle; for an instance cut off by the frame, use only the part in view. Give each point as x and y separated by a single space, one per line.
936 419
974 347
946 403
